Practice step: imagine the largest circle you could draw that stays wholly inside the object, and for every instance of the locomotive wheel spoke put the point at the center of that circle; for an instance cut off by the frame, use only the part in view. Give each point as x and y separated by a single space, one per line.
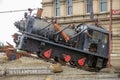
72 63
61 61
85 67
77 65
43 56
39 55
56 59
97 69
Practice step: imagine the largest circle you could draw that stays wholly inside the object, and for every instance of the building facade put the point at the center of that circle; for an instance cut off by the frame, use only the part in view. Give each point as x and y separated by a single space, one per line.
77 11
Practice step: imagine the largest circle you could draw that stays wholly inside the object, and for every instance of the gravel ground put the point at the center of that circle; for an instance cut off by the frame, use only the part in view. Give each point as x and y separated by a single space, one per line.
40 70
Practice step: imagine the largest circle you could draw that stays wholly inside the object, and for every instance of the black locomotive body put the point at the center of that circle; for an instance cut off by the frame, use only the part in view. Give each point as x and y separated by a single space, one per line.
63 43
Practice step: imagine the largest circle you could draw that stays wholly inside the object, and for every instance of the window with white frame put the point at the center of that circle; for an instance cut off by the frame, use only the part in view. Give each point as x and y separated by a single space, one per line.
57 7
69 7
103 5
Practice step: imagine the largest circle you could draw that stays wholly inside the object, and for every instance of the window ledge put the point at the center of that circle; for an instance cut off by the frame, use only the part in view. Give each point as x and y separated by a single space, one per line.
104 12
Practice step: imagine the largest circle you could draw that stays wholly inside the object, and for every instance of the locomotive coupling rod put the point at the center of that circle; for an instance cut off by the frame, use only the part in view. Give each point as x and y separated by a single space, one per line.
61 30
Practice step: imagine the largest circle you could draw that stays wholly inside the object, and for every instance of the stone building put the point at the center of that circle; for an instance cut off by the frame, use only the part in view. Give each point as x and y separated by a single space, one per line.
77 11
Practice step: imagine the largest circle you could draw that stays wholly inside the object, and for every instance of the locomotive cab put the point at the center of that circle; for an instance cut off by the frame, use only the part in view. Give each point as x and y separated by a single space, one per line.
97 43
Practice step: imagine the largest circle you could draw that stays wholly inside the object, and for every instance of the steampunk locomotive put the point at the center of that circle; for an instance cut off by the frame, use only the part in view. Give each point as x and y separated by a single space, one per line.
63 44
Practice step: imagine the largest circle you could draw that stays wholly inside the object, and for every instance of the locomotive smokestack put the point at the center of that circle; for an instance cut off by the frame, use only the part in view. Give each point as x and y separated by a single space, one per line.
57 27
39 12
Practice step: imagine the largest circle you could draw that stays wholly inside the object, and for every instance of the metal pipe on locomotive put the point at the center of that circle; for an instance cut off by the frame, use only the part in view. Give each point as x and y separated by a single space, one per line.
63 44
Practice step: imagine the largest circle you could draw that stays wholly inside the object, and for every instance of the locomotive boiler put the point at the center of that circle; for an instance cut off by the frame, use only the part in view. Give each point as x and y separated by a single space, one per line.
66 44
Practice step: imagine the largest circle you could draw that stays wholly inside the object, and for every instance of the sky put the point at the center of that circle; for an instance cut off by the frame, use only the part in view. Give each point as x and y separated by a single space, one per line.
7 20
